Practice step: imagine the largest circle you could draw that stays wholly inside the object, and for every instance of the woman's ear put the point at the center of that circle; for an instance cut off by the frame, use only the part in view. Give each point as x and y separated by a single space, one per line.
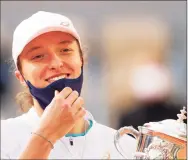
20 78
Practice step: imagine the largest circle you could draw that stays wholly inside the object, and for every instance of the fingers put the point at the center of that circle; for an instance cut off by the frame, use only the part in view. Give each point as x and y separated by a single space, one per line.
64 93
77 105
72 98
80 114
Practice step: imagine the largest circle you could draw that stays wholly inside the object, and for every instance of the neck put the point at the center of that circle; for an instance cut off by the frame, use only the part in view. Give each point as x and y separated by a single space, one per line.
78 128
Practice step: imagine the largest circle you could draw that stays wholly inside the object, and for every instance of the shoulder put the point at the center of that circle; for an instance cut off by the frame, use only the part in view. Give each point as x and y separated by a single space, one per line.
104 129
108 131
108 135
13 124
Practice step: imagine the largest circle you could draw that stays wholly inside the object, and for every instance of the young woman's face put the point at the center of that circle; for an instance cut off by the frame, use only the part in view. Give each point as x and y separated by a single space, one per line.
49 57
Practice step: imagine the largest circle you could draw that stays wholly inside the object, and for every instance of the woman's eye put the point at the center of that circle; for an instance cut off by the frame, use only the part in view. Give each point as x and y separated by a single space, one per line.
38 57
65 50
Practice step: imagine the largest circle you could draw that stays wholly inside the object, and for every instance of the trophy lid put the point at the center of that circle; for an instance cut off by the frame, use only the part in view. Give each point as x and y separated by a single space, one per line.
171 127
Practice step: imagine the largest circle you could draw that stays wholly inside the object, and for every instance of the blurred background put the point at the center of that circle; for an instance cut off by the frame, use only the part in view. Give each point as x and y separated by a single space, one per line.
136 57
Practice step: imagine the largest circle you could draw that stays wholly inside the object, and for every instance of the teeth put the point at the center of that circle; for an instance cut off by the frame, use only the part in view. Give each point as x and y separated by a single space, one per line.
57 78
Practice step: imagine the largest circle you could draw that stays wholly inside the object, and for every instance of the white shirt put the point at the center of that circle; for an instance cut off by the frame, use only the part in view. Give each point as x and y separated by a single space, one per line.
99 140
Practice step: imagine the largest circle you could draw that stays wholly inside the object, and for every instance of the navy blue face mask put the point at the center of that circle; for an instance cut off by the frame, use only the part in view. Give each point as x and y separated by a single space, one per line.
45 95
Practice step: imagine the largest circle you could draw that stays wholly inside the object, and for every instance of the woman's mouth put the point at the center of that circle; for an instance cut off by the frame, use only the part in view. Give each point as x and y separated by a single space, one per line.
55 78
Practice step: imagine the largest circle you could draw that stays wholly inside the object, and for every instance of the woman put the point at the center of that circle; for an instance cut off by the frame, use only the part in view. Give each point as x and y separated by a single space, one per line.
48 56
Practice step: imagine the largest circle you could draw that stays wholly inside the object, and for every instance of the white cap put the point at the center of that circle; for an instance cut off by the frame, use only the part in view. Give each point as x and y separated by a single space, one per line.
39 23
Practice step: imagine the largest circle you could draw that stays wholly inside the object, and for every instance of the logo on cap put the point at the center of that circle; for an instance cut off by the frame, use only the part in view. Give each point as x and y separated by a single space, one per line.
65 24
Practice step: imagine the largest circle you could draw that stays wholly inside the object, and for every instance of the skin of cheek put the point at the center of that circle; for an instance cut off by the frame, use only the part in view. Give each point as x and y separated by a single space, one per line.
34 74
76 64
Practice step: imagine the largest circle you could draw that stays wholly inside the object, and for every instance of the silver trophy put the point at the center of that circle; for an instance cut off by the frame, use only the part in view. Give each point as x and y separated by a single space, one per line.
157 140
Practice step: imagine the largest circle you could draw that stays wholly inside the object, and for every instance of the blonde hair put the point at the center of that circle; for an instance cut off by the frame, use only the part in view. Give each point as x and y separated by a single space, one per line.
25 100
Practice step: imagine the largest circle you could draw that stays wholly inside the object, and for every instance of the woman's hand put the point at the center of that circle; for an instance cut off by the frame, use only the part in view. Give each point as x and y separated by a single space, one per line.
61 114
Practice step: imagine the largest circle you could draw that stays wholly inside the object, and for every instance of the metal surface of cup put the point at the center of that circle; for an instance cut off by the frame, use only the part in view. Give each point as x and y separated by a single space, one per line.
157 148
153 145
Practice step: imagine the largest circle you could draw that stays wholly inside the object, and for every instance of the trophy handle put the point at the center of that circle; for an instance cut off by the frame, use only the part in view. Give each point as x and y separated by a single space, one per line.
119 134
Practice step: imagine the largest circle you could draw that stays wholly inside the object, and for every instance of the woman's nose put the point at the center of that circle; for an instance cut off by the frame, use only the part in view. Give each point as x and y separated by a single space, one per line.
56 63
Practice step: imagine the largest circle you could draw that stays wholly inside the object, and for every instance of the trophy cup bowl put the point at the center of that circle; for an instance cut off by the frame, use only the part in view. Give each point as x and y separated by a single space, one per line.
157 140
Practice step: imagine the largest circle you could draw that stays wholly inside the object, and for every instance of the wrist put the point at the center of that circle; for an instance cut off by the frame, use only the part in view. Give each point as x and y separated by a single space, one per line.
41 137
47 135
